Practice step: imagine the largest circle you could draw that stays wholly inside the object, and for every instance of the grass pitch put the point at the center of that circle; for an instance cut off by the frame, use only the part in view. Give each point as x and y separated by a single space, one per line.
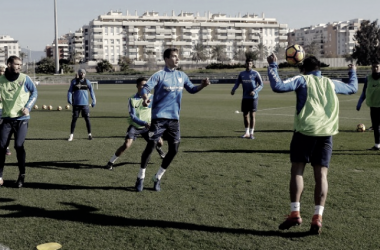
220 192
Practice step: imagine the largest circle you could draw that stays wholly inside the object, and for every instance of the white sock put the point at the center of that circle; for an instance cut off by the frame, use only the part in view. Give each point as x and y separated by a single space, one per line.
251 131
160 173
295 206
247 130
377 145
141 174
319 209
113 158
89 134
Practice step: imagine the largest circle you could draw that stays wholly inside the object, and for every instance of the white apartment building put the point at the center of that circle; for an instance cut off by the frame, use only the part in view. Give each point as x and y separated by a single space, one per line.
8 47
333 39
147 36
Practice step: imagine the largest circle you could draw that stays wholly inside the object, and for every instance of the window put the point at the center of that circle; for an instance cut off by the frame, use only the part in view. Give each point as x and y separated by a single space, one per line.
112 41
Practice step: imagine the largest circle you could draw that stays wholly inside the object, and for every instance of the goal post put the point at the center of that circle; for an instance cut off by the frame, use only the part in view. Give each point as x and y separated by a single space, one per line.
95 84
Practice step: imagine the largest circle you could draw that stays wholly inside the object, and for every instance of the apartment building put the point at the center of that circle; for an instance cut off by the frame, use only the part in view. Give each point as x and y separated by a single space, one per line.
8 47
143 38
63 48
332 40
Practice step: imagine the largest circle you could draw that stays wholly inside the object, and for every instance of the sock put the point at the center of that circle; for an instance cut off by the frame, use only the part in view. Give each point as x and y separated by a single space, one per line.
251 131
377 145
295 207
141 174
247 130
89 134
319 210
113 158
160 173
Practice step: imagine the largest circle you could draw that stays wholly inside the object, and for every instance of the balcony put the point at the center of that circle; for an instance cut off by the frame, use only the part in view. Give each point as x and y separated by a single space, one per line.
149 30
221 37
97 30
179 43
98 36
148 37
164 31
221 31
133 50
98 43
185 37
133 30
230 36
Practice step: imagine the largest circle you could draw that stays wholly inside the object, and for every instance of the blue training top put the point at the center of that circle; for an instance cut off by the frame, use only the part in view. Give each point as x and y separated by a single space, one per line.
78 95
168 85
298 84
251 81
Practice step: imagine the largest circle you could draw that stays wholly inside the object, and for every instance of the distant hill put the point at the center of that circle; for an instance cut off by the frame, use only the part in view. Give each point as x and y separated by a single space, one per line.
34 55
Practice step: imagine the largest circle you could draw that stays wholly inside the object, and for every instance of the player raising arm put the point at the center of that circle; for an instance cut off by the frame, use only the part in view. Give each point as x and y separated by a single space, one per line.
315 122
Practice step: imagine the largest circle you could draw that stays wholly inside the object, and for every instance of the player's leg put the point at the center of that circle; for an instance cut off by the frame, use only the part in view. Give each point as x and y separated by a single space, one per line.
5 134
245 112
86 116
375 119
76 110
159 145
252 117
21 129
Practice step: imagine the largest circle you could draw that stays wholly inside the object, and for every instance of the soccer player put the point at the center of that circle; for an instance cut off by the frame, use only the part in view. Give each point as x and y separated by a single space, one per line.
371 93
2 72
139 120
252 84
18 95
168 85
77 96
315 122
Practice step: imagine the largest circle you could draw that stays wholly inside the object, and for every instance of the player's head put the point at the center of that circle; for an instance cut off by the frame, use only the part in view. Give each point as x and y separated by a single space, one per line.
375 66
311 63
171 57
81 73
14 64
140 82
248 64
2 69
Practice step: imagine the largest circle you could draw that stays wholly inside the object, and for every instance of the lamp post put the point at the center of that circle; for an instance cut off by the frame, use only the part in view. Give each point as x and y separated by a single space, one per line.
56 38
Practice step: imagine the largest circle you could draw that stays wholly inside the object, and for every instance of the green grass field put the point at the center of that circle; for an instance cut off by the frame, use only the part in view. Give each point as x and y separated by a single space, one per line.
220 192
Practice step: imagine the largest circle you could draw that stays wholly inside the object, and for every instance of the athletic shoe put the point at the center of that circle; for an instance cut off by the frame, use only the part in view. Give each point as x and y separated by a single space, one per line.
8 152
90 137
139 184
1 182
251 137
316 224
109 166
245 136
20 181
160 152
374 148
293 219
71 137
157 183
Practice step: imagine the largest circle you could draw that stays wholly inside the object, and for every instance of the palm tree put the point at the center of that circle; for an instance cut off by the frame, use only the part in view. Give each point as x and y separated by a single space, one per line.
262 51
199 52
218 53
279 51
22 55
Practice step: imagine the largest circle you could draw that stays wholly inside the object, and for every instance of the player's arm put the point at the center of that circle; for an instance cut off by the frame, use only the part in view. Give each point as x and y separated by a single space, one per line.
70 92
150 84
191 88
92 93
31 88
132 114
347 88
362 96
259 84
236 86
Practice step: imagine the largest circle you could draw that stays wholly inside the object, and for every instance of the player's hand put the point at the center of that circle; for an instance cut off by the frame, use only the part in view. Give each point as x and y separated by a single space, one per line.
358 106
232 92
351 66
146 102
252 93
25 111
147 125
206 82
93 104
272 58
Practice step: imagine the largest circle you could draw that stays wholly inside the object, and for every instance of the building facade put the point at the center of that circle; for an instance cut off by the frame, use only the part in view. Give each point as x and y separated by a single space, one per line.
329 40
8 47
63 48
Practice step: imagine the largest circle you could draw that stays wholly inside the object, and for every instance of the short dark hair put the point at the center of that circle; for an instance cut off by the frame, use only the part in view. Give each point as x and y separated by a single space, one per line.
375 61
311 63
168 52
11 59
249 60
140 80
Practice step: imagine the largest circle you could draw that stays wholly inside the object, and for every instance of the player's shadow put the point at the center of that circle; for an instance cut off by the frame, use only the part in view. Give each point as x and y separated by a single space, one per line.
59 164
108 117
89 215
239 151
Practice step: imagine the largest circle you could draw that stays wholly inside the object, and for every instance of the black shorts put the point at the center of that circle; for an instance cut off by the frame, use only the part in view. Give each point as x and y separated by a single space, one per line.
314 149
168 129
249 105
84 109
133 133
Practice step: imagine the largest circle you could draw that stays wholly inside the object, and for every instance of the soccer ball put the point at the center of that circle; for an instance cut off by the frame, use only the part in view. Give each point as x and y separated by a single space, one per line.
360 127
67 106
59 108
44 106
35 106
294 54
50 107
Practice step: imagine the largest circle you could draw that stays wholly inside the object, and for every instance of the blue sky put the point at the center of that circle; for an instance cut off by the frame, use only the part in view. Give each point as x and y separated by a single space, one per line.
31 22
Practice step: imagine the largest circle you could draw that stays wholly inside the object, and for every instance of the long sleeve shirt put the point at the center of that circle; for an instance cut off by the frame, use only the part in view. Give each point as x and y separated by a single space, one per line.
78 92
251 81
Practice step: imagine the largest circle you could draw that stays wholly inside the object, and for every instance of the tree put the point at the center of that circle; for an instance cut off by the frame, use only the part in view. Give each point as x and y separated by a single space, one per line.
239 54
124 63
262 51
311 49
104 66
253 55
45 66
279 51
218 53
367 47
199 53
23 55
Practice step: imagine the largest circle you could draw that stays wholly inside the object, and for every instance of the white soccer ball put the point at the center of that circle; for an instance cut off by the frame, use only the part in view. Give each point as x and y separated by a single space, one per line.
67 106
59 108
50 107
237 112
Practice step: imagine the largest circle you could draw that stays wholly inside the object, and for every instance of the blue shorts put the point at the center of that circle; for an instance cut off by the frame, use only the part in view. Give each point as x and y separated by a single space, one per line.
133 133
84 109
168 129
249 105
314 149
